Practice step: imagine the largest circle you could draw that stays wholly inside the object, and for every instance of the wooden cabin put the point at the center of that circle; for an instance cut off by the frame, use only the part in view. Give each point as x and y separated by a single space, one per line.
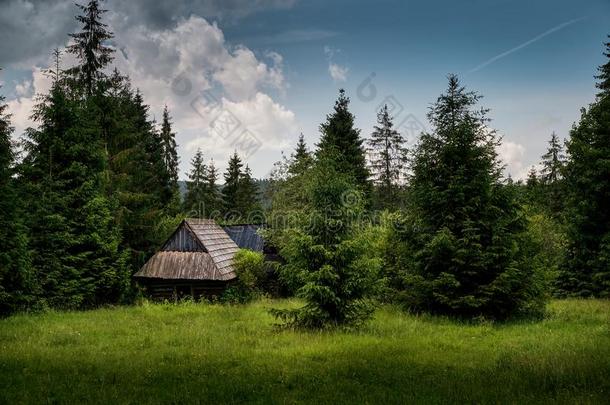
197 260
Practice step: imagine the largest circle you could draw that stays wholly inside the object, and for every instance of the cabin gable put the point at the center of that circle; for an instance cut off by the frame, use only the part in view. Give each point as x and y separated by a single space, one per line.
183 240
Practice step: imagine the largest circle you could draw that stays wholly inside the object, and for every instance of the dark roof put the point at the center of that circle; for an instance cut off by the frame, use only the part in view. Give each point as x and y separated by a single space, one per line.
212 260
246 236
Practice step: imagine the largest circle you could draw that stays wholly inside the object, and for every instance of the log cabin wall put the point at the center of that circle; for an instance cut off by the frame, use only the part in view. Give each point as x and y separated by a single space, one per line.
174 290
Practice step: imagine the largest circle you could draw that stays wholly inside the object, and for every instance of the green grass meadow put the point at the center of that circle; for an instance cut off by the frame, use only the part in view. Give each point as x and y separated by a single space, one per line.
203 353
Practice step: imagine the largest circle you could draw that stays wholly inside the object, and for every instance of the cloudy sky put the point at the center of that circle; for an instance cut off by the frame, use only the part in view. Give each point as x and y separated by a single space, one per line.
250 75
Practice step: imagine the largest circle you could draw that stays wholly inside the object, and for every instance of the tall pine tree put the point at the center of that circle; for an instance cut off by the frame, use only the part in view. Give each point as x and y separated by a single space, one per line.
301 152
388 160
553 162
89 47
288 190
326 262
137 174
462 251
240 191
213 195
587 268
230 190
197 188
533 191
604 74
301 159
342 140
72 228
170 154
248 204
17 283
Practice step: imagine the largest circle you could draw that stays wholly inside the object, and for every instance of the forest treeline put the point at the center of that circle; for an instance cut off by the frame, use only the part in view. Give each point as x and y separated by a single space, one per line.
95 190
357 219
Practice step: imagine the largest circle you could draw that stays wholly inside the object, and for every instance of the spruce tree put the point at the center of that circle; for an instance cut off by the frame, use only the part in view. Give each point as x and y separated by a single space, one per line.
170 154
50 230
56 72
248 199
197 187
587 268
17 283
326 261
342 140
135 173
213 195
533 191
74 229
72 226
118 118
388 160
152 143
604 74
553 162
287 190
301 152
462 249
301 159
230 190
532 177
89 46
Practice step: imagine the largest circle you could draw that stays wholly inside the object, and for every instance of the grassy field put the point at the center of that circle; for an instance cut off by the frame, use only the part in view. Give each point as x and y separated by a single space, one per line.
212 353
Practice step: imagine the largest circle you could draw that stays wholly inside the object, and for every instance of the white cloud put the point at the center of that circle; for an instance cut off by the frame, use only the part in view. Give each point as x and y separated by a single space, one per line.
242 74
337 72
270 121
20 110
512 155
24 89
218 78
193 52
259 124
196 50
22 106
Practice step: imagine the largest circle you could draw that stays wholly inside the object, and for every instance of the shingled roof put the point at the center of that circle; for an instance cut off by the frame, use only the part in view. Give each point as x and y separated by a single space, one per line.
246 236
198 250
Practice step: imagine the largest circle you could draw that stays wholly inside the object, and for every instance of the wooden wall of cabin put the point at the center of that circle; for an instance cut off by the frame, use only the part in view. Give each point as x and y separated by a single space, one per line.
173 290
